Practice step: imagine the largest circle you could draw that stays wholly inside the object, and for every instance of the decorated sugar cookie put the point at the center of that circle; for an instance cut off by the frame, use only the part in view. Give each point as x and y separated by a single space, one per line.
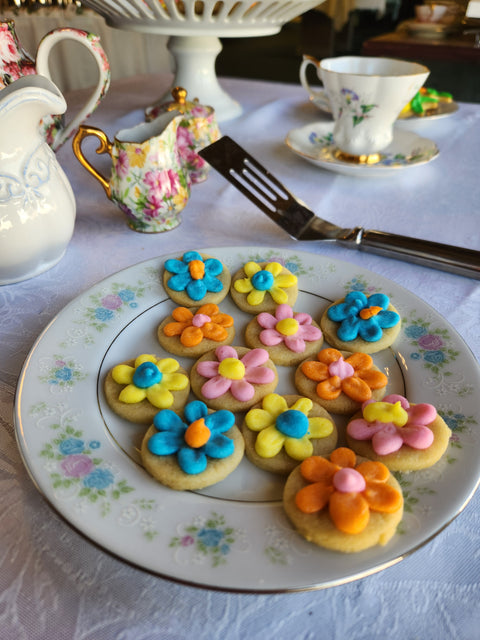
191 332
288 336
342 502
196 279
194 452
340 381
137 389
281 431
259 287
405 437
233 378
361 323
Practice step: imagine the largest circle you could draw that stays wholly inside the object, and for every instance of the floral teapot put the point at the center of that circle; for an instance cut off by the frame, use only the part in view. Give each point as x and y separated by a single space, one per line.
37 204
15 62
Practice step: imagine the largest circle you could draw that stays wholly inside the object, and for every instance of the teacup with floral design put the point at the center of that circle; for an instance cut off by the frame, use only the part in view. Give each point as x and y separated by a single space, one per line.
366 96
148 180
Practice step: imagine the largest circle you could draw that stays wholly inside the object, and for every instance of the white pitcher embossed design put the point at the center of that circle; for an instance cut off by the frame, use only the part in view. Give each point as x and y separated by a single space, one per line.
37 204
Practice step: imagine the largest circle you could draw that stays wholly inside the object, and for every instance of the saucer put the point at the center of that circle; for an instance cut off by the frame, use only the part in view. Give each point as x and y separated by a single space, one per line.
321 101
428 29
314 143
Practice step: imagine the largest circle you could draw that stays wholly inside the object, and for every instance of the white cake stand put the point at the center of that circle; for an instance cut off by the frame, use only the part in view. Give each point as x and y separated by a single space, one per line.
195 28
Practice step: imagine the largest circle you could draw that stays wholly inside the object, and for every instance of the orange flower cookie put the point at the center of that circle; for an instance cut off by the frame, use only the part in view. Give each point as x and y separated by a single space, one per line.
341 381
343 503
191 332
136 390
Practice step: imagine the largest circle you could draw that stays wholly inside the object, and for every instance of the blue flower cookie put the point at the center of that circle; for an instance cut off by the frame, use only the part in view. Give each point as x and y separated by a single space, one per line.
194 451
361 323
195 279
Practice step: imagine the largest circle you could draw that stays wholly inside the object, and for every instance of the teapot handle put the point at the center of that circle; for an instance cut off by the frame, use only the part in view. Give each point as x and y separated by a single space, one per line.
105 146
92 43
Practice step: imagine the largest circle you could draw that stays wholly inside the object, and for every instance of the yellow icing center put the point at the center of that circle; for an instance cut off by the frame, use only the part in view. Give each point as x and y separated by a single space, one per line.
386 412
232 369
287 326
369 312
197 434
197 269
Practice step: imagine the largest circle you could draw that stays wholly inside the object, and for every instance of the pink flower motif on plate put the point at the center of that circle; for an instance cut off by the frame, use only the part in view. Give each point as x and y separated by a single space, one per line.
77 465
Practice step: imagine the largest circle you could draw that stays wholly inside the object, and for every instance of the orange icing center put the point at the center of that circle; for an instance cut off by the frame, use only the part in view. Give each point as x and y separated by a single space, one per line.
369 312
197 269
197 434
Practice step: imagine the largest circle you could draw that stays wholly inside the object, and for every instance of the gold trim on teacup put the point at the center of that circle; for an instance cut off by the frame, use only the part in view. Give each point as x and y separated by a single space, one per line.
367 158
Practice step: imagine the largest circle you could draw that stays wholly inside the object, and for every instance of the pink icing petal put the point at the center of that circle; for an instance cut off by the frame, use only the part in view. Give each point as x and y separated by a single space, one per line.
270 337
283 311
208 368
304 319
421 414
360 429
259 375
216 387
394 397
225 351
387 441
242 390
417 437
295 344
309 333
266 320
254 358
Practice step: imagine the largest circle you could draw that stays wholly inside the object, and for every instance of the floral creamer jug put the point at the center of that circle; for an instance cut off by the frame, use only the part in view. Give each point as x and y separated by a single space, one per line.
37 204
15 62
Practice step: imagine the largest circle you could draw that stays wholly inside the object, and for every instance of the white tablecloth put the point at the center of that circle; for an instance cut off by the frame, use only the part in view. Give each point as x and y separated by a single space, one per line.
54 583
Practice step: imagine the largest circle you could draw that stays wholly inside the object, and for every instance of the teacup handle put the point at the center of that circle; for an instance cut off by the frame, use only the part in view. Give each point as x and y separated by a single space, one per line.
306 62
105 146
92 43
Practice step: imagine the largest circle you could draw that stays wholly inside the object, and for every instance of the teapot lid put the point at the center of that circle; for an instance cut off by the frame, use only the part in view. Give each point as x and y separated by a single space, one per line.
180 103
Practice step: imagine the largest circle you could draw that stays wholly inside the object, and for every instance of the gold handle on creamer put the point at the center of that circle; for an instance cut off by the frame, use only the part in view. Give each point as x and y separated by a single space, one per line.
105 146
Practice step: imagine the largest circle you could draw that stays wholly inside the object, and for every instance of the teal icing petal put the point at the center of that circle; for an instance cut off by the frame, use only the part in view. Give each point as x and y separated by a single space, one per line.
195 410
180 281
176 266
190 256
348 330
378 300
196 289
219 447
192 461
212 284
388 319
164 443
213 267
220 421
370 330
168 420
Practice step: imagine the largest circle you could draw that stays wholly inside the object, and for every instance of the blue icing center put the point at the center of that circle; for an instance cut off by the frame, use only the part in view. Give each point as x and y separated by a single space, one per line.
292 423
146 375
262 280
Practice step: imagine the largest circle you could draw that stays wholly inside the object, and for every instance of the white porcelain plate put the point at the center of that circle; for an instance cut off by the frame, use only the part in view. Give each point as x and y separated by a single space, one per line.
321 101
314 143
234 536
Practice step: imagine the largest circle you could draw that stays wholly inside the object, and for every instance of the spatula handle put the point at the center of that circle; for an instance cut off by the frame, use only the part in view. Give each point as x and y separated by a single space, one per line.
464 262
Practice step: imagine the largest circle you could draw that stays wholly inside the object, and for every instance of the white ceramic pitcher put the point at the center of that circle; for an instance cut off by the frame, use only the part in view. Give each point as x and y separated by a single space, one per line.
37 204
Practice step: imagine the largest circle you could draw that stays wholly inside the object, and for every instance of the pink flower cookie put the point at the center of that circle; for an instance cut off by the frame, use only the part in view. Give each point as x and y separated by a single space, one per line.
233 378
405 437
288 336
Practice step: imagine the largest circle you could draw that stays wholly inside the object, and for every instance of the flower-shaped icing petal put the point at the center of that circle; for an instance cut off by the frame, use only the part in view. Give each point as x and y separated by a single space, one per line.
176 436
362 316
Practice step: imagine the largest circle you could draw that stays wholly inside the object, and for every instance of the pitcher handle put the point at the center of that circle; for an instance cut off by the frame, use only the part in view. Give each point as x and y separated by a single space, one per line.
92 43
306 62
105 146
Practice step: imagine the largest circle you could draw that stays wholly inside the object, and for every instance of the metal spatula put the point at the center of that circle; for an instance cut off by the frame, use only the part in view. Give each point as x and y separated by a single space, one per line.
264 190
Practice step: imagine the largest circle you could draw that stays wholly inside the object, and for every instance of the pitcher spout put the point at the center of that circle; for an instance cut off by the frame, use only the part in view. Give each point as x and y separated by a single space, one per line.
36 96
